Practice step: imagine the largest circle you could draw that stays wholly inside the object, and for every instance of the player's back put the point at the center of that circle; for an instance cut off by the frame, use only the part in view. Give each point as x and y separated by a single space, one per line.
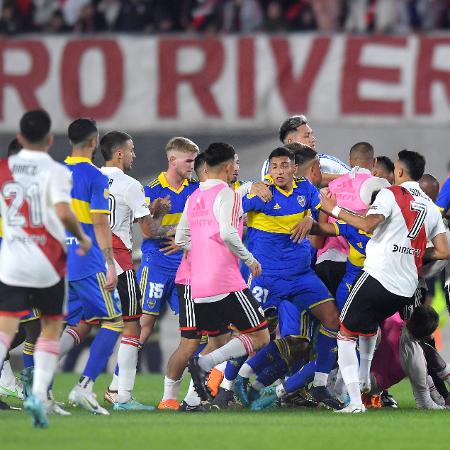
89 195
396 250
33 250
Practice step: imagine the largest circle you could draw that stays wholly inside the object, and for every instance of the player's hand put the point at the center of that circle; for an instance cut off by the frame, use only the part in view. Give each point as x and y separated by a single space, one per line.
160 206
327 200
262 191
255 268
302 229
111 278
168 246
84 245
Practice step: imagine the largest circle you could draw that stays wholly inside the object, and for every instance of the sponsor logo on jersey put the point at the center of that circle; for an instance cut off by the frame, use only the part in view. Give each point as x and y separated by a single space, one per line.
406 250
301 200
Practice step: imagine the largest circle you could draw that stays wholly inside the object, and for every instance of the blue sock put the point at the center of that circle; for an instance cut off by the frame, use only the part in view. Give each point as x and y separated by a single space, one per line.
27 355
273 372
200 348
233 366
101 350
326 350
264 357
303 377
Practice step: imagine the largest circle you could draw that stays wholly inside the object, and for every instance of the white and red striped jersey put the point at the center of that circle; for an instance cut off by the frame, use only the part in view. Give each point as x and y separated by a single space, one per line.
33 252
394 254
126 204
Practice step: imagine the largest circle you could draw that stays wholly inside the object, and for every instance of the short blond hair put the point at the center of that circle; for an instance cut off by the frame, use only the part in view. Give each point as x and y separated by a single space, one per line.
182 144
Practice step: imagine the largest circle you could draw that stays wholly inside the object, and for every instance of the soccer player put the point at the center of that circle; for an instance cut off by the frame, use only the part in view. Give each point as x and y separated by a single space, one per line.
297 129
289 275
127 204
209 226
384 168
35 204
160 257
92 278
443 200
402 220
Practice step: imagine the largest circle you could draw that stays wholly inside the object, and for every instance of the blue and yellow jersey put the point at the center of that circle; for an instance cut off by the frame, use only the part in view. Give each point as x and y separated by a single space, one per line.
357 241
160 188
443 200
89 195
1 230
269 226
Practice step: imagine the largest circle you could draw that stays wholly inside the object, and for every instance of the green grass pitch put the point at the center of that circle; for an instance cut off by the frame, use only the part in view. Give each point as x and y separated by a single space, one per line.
405 428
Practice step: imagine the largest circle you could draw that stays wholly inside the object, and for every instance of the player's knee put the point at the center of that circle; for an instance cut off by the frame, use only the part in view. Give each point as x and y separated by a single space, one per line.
260 338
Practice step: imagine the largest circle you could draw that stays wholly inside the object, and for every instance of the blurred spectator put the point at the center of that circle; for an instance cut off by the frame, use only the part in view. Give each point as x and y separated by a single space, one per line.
134 16
10 20
72 9
57 23
328 13
90 20
242 16
43 12
275 21
110 10
356 15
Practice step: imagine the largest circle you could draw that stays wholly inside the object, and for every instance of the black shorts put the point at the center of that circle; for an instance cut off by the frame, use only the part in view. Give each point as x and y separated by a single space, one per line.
368 304
17 301
186 317
130 295
238 308
331 273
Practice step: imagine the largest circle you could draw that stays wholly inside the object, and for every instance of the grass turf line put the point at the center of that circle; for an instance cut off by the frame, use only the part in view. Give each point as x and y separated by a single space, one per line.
405 428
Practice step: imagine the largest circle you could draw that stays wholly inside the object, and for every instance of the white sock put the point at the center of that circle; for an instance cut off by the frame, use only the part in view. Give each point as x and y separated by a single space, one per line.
171 389
367 346
257 385
280 391
127 359
7 378
114 385
45 361
192 398
348 365
221 366
320 379
246 371
5 342
68 340
227 384
238 346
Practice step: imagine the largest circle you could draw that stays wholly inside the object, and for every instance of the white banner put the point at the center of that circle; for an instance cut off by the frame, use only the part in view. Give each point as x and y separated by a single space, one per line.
254 82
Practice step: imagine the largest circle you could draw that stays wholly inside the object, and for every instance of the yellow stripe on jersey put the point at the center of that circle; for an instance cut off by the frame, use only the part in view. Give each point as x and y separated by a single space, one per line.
171 219
355 257
143 284
101 278
273 224
100 211
82 210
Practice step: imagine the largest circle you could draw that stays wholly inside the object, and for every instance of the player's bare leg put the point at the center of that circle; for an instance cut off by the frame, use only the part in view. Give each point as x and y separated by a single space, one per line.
147 323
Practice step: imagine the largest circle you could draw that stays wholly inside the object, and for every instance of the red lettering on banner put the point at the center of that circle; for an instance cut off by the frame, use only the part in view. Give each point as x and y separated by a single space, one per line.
354 72
70 78
427 74
25 84
246 77
201 81
295 91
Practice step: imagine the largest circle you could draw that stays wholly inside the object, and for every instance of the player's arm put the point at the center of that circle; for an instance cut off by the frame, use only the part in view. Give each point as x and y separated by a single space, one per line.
438 237
100 220
324 229
60 187
327 178
183 234
377 214
258 189
227 207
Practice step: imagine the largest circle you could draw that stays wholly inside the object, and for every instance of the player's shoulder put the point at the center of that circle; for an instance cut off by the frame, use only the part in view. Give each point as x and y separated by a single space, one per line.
303 184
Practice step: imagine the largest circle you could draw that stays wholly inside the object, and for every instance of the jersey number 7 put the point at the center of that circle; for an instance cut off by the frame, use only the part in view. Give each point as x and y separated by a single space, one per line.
420 219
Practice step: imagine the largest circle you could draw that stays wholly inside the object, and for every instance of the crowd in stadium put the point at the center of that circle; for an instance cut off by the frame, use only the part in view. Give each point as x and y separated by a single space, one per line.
218 16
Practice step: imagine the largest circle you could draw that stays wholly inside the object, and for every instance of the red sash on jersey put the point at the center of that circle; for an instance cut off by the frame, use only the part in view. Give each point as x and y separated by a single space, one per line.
122 254
404 198
53 249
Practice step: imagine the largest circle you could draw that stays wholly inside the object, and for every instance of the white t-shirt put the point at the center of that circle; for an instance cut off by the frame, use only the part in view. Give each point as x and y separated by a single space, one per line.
126 203
389 254
33 247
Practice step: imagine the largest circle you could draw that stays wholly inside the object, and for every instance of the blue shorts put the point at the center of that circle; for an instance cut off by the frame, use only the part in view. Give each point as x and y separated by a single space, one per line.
295 322
157 288
344 288
305 290
34 314
88 300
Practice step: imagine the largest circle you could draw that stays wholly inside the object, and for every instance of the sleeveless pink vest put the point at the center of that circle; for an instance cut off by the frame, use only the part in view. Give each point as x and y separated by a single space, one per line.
183 275
347 189
386 366
214 269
